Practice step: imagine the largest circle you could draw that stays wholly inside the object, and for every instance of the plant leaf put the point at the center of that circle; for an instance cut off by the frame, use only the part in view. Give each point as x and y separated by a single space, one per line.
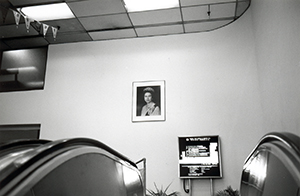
162 191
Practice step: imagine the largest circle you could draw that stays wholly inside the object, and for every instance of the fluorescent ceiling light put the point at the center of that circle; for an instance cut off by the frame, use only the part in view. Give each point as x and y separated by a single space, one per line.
144 5
48 12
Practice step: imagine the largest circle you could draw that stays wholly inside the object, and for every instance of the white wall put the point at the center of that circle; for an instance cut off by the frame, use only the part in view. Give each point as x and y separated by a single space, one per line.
277 28
212 87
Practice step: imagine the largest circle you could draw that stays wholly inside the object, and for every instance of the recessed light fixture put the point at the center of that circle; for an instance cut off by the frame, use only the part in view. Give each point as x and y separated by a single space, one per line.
48 12
144 5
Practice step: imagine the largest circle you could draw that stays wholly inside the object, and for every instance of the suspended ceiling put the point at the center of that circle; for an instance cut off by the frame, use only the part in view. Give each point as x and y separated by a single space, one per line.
108 19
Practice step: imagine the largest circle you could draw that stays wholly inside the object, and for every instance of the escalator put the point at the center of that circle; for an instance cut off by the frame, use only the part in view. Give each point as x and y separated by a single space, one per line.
273 167
78 166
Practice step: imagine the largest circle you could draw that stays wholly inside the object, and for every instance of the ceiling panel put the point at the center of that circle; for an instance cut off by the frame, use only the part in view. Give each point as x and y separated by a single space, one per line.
31 42
201 2
114 21
108 19
113 34
204 26
10 31
96 7
67 25
222 10
195 13
68 37
241 7
205 12
3 46
155 17
7 17
23 3
159 30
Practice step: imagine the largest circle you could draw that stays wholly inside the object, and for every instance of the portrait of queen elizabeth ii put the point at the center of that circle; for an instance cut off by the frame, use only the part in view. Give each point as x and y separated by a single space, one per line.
150 108
148 103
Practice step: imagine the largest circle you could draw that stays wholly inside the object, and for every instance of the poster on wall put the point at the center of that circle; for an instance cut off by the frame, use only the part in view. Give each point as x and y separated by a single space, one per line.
199 157
148 101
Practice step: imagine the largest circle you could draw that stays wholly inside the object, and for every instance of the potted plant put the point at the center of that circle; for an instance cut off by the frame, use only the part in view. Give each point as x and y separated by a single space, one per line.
228 192
161 192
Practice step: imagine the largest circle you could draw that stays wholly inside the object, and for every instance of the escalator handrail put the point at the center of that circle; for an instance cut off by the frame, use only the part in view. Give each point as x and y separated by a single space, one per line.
50 148
14 145
291 141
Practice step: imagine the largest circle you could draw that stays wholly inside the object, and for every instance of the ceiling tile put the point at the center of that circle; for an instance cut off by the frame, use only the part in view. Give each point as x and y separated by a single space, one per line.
155 17
195 13
115 34
205 26
23 3
108 19
159 30
222 10
242 7
9 17
66 25
3 46
202 2
114 21
26 42
68 37
9 31
96 7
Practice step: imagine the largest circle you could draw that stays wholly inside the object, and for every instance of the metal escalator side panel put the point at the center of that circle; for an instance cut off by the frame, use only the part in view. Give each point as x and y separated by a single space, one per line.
47 151
13 150
25 164
19 145
273 167
81 171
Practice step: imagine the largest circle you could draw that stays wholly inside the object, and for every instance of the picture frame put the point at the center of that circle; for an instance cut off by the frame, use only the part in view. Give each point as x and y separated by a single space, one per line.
148 101
199 157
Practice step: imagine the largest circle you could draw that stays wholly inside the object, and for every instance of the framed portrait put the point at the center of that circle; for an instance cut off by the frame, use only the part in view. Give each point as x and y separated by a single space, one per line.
148 101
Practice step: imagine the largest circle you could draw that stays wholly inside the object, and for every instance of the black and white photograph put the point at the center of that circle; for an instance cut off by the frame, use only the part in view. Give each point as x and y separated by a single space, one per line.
137 97
148 102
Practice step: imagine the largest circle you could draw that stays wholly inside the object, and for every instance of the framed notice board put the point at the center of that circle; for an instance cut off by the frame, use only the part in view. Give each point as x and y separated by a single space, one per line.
199 157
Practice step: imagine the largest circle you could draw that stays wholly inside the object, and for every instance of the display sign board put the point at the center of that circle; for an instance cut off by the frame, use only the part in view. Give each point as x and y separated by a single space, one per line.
199 157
